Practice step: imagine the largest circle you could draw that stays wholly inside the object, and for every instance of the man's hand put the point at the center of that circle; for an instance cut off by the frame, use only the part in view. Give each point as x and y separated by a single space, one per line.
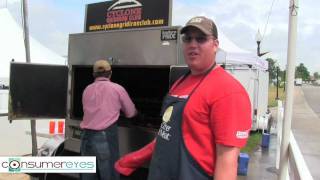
127 164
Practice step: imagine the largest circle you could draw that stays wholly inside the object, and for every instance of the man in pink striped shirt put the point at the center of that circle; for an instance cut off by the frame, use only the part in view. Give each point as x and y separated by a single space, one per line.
102 102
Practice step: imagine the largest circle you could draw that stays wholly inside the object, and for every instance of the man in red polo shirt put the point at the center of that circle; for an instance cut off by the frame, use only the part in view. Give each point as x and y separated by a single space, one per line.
206 117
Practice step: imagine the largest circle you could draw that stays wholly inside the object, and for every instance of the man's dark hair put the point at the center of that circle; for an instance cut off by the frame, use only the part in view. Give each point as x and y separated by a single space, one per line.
106 74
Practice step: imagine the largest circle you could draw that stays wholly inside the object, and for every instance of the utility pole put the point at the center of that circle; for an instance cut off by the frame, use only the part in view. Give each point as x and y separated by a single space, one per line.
291 60
27 48
277 96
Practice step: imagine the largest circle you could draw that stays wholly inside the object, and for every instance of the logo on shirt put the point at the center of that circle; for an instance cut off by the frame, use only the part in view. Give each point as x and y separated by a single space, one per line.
242 134
164 131
167 114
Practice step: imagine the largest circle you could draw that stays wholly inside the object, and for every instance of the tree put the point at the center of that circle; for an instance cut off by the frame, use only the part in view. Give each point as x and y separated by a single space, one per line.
316 75
272 69
302 72
282 74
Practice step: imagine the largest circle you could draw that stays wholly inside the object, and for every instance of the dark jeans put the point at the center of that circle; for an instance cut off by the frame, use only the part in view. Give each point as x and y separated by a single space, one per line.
104 145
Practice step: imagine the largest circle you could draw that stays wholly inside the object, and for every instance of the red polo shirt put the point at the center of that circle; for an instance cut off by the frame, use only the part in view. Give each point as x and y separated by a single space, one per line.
218 112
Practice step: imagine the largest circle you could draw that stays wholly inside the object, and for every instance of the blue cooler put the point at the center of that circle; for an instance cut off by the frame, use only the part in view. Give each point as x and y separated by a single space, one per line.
243 162
265 140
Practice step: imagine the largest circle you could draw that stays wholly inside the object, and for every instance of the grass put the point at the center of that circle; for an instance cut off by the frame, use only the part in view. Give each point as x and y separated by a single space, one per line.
273 94
253 141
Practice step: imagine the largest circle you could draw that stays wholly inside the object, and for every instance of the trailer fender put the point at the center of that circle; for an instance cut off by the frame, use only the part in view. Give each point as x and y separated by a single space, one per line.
50 147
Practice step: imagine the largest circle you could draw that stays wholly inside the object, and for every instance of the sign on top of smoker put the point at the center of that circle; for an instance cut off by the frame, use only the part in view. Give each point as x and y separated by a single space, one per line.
127 14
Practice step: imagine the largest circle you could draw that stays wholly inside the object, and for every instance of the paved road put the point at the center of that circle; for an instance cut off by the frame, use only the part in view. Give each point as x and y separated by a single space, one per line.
306 126
312 96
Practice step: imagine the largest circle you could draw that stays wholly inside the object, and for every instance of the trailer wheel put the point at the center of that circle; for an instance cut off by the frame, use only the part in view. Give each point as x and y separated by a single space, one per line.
60 151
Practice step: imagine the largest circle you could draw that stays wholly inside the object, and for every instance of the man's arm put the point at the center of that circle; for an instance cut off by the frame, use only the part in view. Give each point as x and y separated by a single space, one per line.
226 162
127 106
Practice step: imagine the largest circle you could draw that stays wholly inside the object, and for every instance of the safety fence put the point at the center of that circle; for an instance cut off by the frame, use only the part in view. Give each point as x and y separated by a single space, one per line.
297 169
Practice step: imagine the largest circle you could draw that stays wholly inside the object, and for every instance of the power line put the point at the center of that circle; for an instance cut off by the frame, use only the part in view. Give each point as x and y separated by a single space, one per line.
265 27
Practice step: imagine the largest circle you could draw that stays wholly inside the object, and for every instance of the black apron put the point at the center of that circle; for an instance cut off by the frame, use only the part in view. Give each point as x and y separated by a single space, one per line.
171 159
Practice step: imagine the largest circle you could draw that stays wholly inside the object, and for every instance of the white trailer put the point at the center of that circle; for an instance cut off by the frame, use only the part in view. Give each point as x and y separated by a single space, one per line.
255 81
252 73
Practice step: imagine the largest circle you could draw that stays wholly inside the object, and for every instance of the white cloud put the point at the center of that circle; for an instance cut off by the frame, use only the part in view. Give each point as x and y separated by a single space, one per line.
240 20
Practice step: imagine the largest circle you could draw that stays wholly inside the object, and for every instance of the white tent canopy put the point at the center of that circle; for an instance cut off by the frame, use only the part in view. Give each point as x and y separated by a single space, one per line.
12 46
229 53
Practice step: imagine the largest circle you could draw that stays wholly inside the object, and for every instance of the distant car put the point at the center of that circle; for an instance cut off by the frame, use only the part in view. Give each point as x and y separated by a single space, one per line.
316 82
298 82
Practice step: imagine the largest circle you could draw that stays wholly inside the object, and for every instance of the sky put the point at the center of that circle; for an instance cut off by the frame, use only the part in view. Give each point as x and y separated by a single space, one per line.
51 21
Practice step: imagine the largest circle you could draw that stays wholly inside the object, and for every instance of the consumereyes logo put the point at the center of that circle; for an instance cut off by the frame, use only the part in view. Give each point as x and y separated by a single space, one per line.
14 165
59 164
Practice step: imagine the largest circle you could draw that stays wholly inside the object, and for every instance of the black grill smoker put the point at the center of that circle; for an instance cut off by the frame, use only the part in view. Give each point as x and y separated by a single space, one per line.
141 62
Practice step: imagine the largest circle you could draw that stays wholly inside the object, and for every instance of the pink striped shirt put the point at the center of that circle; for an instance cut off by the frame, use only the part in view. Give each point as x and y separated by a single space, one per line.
102 102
